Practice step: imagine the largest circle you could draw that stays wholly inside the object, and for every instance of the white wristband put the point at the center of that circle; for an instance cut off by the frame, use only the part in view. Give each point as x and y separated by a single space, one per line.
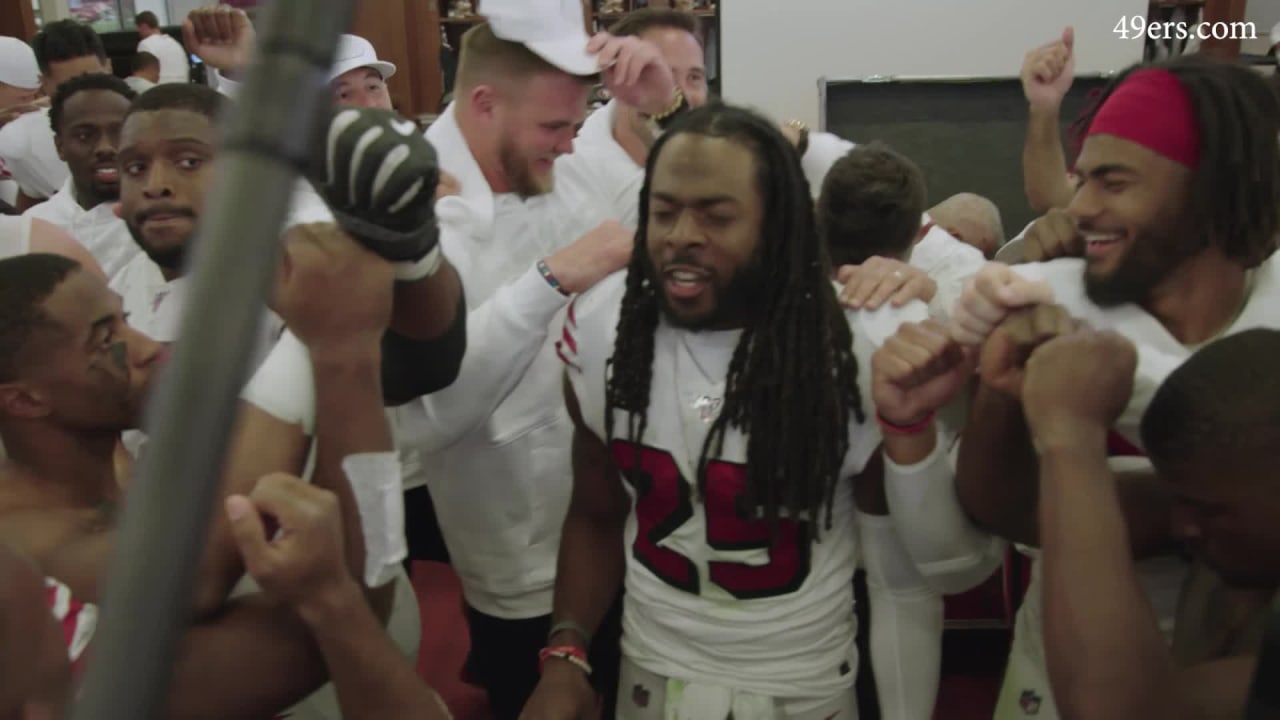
420 269
375 481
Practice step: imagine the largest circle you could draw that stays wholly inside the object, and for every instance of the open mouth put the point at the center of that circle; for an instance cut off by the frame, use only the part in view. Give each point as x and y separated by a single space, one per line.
685 282
1099 244
107 174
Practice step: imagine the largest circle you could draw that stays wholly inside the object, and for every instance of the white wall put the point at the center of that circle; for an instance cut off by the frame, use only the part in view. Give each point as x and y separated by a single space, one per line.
1264 14
774 51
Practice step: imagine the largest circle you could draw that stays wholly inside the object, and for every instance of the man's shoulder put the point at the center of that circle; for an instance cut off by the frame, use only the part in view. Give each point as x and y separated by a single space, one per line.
15 137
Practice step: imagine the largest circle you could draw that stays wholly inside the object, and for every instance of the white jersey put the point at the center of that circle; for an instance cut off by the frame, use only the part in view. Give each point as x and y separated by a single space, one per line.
1159 354
708 601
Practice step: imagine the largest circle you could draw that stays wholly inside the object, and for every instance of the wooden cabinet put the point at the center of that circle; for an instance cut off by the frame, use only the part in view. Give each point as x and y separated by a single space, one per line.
406 32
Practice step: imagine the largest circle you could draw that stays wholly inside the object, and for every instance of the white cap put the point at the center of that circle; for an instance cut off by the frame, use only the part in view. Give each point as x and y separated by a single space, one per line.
356 52
18 64
1275 34
553 29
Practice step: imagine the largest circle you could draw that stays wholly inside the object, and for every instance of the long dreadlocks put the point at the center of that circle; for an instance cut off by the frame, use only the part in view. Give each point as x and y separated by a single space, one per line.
1235 192
792 381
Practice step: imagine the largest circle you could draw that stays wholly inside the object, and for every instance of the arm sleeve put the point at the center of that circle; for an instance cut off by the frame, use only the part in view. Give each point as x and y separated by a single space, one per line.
951 552
414 368
505 334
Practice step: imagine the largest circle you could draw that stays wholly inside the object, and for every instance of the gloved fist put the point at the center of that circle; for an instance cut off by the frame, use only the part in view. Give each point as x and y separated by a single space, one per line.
378 175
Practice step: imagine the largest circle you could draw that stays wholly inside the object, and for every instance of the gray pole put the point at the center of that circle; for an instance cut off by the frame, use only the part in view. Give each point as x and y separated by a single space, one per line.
164 525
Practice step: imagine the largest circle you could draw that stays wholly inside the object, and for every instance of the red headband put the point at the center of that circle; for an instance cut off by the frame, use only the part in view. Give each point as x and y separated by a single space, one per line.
1154 110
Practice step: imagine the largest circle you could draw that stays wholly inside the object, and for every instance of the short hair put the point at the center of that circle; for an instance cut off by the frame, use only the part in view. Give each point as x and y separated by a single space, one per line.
146 17
1224 400
646 19
66 40
84 83
871 203
26 281
145 60
1235 192
181 96
485 57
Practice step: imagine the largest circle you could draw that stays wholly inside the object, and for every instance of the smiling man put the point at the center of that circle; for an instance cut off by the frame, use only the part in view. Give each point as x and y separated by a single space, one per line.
1177 217
86 115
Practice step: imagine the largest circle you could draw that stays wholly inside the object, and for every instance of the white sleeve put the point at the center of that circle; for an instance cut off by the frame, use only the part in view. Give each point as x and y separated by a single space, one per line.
823 152
225 85
951 552
1153 367
284 386
950 263
504 335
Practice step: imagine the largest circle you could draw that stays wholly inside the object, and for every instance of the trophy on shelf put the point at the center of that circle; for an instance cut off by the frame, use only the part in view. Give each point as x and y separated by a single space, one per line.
612 7
461 9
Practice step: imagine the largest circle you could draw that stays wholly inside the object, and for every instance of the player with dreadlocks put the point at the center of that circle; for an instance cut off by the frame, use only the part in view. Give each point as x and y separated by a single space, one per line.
720 396
1176 215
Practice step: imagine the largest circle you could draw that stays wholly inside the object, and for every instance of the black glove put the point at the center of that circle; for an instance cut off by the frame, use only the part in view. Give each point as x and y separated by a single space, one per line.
378 175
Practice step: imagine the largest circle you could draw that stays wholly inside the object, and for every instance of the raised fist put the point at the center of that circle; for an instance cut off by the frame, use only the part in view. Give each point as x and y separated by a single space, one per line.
378 175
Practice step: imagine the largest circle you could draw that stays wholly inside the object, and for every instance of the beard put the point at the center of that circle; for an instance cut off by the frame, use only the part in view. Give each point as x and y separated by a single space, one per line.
170 257
733 303
521 178
1152 257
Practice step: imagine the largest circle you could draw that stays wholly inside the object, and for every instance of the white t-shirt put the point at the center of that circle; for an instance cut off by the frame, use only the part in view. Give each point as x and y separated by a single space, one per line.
30 156
103 234
1159 353
708 601
174 65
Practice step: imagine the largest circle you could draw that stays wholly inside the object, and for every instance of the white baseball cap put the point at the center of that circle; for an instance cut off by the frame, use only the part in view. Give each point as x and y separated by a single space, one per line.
18 64
553 29
356 52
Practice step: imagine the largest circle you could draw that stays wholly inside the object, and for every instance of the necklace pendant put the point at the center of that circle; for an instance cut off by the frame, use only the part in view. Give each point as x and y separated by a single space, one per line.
708 408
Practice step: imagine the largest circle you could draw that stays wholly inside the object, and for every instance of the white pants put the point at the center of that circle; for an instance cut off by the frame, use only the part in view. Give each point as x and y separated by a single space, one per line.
643 695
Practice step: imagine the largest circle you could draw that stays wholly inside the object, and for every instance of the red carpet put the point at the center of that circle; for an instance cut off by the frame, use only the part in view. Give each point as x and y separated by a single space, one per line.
972 658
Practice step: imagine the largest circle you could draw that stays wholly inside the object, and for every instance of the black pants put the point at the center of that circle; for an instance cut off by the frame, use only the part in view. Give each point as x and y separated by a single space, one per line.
504 659
422 529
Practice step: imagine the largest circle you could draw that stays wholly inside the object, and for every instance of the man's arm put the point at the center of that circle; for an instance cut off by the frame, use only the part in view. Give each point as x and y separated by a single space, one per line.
252 660
589 571
372 678
1003 497
422 351
1106 655
508 331
1047 74
305 569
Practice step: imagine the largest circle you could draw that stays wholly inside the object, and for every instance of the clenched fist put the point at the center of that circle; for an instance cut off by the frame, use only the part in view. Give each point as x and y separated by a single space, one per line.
1053 236
989 297
917 371
1004 355
1076 386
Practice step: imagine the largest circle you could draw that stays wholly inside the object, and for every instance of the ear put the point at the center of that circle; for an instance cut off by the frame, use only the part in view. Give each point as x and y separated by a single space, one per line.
118 210
57 144
483 100
19 400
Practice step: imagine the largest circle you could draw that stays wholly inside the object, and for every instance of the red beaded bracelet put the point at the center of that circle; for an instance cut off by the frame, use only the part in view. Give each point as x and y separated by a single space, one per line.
917 427
572 654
